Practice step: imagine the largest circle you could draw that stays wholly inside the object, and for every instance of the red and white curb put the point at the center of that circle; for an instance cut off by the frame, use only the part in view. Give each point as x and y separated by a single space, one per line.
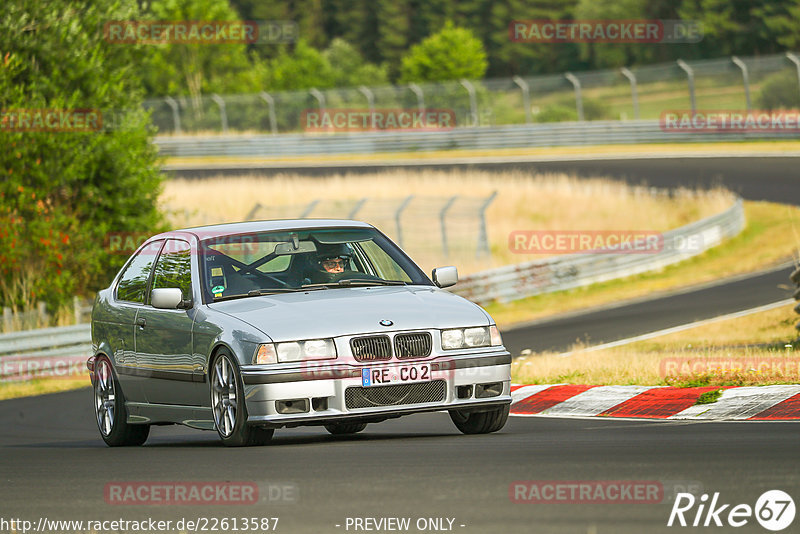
762 403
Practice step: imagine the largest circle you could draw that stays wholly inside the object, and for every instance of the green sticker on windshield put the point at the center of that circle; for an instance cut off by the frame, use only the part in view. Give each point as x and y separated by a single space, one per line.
218 289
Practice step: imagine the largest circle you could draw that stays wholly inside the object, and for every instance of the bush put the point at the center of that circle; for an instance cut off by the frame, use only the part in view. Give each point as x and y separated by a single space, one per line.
780 90
63 192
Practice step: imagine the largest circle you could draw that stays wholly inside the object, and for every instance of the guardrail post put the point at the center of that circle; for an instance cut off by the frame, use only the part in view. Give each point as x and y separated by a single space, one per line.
526 97
397 215
176 114
794 59
745 79
356 208
417 90
319 96
690 77
367 92
309 209
483 235
576 83
442 223
223 114
634 92
273 123
473 102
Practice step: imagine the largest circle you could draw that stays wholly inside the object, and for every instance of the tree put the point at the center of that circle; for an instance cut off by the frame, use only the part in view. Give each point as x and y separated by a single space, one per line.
348 68
63 193
451 54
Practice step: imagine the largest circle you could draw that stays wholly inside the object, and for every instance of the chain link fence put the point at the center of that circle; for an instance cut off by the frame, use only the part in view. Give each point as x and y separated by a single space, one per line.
761 82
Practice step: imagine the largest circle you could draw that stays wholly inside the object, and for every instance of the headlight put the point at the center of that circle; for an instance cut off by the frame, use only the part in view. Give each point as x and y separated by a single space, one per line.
312 349
467 338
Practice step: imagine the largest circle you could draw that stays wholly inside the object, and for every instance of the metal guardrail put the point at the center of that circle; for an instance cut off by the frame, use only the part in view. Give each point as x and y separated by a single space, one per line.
46 352
795 277
575 270
511 136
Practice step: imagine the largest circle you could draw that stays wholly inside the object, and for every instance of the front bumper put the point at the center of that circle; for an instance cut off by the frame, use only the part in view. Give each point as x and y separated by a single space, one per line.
335 392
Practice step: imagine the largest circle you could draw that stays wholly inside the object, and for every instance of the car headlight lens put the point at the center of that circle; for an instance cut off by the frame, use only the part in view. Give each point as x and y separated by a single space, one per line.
452 339
468 338
312 349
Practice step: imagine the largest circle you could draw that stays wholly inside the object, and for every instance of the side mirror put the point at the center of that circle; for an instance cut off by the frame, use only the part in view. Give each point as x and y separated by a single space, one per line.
166 298
445 276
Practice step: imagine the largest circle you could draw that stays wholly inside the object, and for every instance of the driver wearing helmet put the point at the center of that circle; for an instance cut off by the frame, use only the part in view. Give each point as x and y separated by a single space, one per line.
331 262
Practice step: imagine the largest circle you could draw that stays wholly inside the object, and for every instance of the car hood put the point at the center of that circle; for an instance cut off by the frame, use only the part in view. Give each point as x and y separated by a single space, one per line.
349 311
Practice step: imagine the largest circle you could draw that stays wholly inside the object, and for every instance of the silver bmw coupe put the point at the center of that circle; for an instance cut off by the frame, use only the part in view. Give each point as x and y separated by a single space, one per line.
248 327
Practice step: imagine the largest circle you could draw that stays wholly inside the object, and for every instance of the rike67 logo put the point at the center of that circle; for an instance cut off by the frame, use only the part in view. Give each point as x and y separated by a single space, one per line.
774 510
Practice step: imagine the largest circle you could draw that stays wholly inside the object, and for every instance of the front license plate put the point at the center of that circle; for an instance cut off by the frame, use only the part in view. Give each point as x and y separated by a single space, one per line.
382 376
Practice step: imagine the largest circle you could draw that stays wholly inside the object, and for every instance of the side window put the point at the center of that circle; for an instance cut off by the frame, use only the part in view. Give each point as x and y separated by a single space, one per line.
133 283
174 268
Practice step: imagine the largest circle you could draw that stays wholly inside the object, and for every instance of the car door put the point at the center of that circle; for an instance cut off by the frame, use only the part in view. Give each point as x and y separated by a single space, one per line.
129 297
164 337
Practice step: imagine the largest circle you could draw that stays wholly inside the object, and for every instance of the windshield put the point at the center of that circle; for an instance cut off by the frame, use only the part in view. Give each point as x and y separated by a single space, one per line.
284 261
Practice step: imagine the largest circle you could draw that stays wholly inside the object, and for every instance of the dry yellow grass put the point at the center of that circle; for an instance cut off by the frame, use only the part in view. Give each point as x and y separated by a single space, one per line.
754 350
523 202
40 386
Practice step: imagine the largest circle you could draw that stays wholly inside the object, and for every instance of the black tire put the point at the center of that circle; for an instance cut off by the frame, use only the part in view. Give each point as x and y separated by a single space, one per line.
110 413
480 422
339 429
228 406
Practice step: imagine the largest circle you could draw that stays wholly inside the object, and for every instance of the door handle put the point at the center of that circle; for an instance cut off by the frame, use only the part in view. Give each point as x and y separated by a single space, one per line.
141 322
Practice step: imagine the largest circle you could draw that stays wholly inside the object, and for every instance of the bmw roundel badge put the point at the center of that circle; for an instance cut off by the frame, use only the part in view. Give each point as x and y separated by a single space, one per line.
386 322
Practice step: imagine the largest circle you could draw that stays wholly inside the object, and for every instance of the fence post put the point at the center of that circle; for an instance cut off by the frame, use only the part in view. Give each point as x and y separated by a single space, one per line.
176 114
417 90
41 312
397 215
8 319
794 59
356 208
223 114
745 79
273 123
319 96
690 77
526 97
473 102
634 92
76 309
309 209
370 103
442 223
252 213
576 83
483 235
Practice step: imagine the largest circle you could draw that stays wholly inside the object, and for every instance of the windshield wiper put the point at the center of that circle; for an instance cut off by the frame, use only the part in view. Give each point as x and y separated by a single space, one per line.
259 292
348 282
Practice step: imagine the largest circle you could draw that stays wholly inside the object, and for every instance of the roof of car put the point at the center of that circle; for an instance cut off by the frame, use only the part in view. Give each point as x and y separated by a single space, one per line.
219 230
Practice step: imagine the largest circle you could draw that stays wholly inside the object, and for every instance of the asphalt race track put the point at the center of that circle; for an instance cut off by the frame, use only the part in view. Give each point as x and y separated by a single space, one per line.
54 465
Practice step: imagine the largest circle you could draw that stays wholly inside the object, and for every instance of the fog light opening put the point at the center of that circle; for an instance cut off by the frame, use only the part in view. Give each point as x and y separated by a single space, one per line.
492 389
289 406
319 404
464 392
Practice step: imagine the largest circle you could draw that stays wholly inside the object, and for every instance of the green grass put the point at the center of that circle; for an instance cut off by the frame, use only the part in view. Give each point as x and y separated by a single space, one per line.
709 397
